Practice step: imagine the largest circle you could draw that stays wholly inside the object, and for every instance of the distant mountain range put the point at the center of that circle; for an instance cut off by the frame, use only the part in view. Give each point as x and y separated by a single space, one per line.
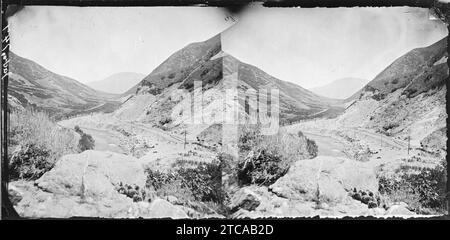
31 85
341 88
117 83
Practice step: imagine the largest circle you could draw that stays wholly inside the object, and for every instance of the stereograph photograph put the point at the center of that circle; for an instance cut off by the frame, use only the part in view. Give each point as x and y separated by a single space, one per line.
195 112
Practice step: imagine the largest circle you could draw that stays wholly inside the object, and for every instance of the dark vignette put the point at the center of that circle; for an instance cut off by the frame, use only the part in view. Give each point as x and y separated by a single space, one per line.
11 7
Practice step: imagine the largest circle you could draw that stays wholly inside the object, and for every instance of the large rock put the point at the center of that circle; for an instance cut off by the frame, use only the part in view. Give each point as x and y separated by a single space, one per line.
272 205
325 179
400 209
160 208
83 185
93 174
37 203
246 199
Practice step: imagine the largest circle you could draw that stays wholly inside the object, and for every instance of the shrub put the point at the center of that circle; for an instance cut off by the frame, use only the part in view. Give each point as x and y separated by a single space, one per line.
86 142
30 162
264 159
201 183
205 181
36 142
423 189
312 148
389 126
164 120
261 167
78 129
132 191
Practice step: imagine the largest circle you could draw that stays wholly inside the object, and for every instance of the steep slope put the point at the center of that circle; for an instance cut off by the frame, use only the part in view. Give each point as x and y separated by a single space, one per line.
178 66
31 85
117 83
407 99
417 71
172 84
341 88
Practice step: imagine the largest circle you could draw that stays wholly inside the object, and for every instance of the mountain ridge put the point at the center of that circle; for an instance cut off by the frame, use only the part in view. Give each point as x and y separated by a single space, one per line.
32 85
117 83
341 88
207 62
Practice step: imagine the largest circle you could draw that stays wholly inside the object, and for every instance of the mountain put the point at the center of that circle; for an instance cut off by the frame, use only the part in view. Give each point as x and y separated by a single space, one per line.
163 97
117 83
407 99
341 88
31 85
417 71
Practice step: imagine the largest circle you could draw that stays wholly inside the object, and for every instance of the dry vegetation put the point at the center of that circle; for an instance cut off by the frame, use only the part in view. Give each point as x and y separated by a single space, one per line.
36 143
422 188
264 159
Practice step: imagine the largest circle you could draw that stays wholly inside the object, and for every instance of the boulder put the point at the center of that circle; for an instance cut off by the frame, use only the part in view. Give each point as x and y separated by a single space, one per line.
84 185
15 194
325 179
92 174
400 209
246 199
160 208
40 204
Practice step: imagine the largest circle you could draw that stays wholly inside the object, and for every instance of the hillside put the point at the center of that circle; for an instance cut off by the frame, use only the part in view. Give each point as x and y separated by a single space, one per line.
415 72
341 88
117 83
31 85
407 99
168 88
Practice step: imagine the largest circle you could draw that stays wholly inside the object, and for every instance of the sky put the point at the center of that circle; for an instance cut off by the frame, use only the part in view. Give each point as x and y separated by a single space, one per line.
313 47
90 44
310 47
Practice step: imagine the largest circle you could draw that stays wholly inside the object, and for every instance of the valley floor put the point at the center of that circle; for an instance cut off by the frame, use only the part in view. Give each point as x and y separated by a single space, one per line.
348 162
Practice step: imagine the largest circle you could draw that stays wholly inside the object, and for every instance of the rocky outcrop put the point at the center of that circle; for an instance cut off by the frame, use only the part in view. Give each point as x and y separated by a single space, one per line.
245 199
400 209
267 204
92 174
85 185
325 179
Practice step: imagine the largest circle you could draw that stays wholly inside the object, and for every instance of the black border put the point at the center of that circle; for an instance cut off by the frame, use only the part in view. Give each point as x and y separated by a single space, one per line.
9 7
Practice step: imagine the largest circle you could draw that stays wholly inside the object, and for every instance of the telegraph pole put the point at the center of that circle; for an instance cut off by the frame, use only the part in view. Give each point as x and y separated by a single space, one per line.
409 140
185 131
381 141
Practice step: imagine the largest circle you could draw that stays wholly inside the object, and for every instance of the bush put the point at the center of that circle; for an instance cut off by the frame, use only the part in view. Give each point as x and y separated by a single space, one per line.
172 75
86 142
263 159
423 189
78 129
205 182
164 120
389 126
132 191
30 162
261 167
35 141
202 183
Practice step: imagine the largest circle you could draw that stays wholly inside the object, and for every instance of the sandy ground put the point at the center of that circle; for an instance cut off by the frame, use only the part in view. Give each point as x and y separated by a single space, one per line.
327 145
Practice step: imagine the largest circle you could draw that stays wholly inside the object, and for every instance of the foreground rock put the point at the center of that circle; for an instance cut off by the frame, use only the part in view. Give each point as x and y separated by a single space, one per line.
400 209
325 179
84 185
271 205
92 174
323 186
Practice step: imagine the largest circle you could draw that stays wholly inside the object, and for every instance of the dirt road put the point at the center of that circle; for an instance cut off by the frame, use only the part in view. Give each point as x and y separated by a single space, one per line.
327 145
